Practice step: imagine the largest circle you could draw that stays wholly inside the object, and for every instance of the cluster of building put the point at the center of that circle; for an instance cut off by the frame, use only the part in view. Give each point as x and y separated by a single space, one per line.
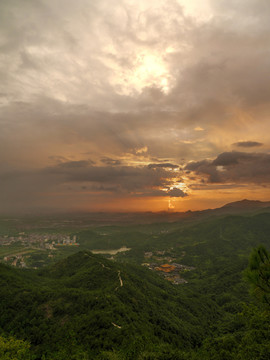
170 272
158 255
34 242
8 240
15 260
149 254
43 241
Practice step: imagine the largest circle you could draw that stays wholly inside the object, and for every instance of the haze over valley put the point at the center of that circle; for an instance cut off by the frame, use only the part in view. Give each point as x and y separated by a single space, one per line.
134 180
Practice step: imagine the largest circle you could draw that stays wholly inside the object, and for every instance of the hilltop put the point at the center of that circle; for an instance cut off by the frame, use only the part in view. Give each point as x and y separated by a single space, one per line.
87 306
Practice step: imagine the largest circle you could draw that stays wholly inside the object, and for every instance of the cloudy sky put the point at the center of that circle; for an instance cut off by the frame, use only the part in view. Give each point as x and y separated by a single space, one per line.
133 105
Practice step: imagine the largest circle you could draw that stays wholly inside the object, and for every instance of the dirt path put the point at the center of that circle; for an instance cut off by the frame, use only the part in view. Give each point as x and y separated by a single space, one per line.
119 277
119 327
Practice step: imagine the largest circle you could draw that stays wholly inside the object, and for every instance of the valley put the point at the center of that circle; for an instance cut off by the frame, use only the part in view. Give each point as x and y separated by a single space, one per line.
172 290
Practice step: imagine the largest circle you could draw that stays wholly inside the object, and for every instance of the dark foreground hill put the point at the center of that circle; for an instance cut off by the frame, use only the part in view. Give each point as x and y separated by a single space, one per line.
88 307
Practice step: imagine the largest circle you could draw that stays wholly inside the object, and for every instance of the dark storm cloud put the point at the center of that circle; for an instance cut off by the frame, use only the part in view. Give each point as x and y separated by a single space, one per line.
235 167
109 161
248 144
177 193
173 193
195 165
232 158
125 178
204 167
30 188
76 164
213 187
163 165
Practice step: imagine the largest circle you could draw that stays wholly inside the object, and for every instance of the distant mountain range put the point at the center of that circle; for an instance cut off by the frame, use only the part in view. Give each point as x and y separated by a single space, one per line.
237 207
247 204
82 220
242 206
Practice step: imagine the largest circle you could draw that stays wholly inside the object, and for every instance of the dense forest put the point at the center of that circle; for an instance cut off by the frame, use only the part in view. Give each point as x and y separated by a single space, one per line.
89 307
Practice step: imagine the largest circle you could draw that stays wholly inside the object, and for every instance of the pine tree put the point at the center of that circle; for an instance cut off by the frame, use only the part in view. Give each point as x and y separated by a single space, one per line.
258 274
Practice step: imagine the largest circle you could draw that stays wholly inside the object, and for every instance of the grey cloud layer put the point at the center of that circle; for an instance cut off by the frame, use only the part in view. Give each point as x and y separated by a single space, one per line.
76 53
103 80
124 179
235 167
247 144
25 188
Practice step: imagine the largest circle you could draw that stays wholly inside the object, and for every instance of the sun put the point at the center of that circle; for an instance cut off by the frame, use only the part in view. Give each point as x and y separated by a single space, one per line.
171 205
148 70
151 70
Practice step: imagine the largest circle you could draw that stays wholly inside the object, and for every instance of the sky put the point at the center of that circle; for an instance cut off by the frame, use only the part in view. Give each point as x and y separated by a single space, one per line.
133 105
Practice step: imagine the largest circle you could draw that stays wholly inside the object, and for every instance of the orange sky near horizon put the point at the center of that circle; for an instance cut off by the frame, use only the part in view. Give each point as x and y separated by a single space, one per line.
133 105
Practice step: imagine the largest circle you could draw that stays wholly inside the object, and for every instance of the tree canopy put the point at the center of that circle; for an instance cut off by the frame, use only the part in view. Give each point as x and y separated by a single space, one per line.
258 274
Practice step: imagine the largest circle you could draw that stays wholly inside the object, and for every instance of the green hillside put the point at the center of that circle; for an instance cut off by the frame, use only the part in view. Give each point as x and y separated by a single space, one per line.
89 307
89 304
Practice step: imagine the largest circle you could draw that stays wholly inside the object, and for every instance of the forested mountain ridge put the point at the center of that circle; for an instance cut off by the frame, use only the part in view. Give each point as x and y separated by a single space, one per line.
89 307
89 304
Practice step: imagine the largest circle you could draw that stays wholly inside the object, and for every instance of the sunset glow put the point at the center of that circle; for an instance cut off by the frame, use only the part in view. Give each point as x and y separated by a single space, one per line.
133 105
